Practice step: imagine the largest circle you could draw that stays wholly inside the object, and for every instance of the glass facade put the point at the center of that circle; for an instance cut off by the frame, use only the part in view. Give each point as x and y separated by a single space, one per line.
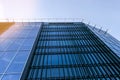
16 42
70 51
108 39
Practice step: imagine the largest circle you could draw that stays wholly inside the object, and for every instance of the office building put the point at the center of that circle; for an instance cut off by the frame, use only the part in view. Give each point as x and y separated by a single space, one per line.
58 50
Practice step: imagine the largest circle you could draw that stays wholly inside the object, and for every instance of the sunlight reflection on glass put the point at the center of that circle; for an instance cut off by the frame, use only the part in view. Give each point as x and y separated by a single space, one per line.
4 26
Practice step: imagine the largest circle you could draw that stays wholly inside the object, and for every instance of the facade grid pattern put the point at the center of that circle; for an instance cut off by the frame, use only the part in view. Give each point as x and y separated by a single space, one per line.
71 51
16 43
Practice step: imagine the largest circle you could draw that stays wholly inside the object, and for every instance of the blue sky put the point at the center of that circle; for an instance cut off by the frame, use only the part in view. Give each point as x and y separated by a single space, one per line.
103 13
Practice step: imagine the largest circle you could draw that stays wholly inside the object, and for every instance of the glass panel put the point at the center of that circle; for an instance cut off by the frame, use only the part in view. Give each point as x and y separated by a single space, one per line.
15 67
60 59
44 73
39 73
48 72
5 59
54 60
21 56
11 77
54 72
45 59
61 72
49 60
66 72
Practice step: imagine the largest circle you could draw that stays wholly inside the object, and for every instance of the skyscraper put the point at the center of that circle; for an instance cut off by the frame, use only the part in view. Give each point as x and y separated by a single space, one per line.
56 50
